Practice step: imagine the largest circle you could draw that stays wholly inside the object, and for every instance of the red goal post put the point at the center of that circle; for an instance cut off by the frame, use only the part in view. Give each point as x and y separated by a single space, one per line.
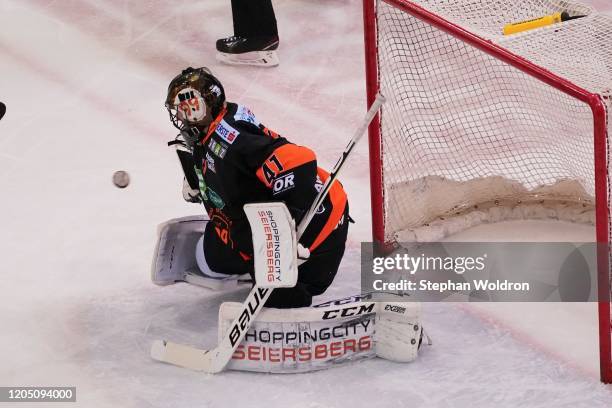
385 73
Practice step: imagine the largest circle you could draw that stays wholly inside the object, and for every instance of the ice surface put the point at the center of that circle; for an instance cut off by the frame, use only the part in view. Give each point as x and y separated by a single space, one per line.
84 83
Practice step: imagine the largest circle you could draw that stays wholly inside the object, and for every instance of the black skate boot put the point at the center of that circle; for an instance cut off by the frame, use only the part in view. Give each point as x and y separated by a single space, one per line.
258 51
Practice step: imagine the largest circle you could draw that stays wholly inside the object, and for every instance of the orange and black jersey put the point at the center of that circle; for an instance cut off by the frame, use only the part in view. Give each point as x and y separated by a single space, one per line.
241 161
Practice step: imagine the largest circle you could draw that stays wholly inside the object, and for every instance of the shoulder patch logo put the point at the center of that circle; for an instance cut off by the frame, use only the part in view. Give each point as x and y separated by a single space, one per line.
218 148
210 163
283 183
227 133
244 114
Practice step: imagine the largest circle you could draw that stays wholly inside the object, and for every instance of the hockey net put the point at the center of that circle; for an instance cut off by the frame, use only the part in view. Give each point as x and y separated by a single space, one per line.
482 127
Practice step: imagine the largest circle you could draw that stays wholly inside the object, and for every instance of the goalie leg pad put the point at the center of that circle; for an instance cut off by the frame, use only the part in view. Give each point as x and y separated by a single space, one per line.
175 250
302 339
314 338
398 331
179 245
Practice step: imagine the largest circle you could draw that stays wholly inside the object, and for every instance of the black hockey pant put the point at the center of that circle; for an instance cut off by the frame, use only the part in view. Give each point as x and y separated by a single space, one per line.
254 18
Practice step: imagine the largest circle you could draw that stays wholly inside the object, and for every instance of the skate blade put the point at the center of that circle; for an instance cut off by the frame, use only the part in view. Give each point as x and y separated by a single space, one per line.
254 58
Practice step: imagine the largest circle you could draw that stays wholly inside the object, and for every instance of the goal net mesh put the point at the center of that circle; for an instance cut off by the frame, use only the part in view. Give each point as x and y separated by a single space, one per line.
468 138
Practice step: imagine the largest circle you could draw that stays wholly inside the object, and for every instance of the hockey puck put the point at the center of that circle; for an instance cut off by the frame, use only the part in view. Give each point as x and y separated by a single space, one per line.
121 179
2 110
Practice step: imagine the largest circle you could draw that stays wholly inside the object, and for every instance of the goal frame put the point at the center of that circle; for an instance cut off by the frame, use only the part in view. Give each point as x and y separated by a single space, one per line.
595 102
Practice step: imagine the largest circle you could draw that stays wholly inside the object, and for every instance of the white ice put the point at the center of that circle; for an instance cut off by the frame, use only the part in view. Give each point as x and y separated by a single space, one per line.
84 84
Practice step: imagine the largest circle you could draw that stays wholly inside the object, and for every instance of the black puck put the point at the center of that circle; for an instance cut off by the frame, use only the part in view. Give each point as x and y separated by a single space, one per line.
2 110
121 179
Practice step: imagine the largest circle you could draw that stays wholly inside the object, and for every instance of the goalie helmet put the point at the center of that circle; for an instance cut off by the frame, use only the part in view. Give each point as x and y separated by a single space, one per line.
195 97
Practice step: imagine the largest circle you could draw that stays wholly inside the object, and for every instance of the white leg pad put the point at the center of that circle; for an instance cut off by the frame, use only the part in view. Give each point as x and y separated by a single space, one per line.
179 257
175 250
398 331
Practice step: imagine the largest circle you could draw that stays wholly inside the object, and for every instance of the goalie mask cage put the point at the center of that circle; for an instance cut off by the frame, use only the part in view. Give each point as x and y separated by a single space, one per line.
484 127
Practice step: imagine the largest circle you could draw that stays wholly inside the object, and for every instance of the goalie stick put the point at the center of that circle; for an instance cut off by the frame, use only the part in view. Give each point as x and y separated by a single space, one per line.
215 360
